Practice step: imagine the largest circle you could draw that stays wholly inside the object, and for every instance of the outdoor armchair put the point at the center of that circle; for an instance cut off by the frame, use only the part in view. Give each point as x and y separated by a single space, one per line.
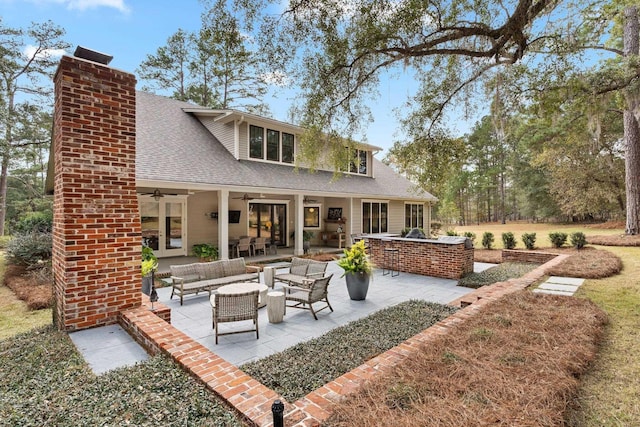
314 291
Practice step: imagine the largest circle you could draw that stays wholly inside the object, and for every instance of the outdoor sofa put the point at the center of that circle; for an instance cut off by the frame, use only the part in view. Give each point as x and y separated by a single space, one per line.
207 276
301 270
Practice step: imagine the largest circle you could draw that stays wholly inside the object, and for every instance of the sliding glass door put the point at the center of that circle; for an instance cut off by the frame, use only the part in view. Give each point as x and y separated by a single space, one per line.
268 220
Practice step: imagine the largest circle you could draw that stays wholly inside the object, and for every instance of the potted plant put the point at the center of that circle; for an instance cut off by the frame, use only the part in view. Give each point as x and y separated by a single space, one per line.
148 266
357 270
205 252
306 237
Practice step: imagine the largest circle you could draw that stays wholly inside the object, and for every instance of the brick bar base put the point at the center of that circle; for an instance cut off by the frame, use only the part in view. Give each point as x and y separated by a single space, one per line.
253 400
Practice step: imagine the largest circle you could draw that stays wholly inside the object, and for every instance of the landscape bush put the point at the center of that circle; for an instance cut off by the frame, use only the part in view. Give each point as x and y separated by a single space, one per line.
34 222
557 239
529 240
578 240
487 239
30 249
508 240
471 236
451 232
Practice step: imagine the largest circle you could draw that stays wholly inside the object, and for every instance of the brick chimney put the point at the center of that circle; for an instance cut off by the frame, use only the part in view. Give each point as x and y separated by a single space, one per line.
96 231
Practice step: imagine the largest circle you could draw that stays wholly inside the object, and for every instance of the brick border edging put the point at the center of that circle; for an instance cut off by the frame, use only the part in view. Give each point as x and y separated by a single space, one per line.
253 400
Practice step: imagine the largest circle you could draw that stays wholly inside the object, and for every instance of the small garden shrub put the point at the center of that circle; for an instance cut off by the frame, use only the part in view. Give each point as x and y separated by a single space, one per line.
558 239
529 240
487 239
578 240
30 249
4 241
508 240
471 236
451 232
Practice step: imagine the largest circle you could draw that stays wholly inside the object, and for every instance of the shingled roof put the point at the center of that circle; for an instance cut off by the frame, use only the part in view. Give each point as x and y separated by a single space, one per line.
173 146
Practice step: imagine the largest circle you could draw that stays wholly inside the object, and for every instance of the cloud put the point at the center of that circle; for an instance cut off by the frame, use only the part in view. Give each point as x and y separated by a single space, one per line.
30 50
276 78
89 4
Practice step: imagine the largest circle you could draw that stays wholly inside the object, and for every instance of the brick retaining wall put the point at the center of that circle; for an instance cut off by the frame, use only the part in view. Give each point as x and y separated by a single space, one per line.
511 255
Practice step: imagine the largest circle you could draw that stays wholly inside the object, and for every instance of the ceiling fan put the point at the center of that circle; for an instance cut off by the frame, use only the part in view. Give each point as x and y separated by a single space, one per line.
244 197
309 200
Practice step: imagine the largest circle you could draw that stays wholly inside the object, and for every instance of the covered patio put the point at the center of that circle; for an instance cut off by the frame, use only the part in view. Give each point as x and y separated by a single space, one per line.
194 317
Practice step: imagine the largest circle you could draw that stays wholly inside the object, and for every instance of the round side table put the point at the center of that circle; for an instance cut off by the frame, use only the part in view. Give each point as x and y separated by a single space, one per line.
275 306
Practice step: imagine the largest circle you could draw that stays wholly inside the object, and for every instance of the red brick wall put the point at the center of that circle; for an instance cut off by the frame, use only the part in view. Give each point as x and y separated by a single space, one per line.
96 235
510 255
430 258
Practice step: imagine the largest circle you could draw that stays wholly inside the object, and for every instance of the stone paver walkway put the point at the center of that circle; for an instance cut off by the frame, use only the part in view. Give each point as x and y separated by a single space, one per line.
560 286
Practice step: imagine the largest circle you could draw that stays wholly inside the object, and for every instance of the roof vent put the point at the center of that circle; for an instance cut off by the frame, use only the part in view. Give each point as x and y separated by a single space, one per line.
92 55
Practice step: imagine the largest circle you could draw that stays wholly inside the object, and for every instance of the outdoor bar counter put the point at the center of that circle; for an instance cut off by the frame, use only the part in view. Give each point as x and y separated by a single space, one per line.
449 257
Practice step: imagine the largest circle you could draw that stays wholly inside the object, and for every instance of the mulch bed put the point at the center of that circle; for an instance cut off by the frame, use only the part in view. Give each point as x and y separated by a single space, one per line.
614 240
35 295
517 362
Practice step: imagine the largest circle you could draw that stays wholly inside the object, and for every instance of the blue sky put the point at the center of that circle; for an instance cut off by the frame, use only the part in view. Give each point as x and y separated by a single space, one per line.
129 30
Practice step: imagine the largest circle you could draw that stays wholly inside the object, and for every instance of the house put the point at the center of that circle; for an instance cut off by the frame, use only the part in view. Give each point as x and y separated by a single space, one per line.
209 176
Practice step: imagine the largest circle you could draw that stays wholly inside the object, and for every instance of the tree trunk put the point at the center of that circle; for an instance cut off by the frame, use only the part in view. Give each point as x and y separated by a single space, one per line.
631 129
4 172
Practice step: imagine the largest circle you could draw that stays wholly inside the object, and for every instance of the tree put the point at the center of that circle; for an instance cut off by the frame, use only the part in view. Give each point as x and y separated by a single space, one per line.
452 45
27 61
168 69
212 67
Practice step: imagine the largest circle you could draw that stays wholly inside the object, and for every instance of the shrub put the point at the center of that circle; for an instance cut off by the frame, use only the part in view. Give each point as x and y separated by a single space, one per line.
471 236
30 249
487 239
508 240
578 240
529 240
451 232
35 222
435 227
147 254
558 239
205 251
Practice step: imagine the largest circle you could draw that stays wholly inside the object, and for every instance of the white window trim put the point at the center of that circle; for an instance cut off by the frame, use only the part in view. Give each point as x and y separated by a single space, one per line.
264 145
317 206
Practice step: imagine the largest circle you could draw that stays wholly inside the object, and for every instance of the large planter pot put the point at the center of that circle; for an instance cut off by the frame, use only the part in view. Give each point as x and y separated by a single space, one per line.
357 285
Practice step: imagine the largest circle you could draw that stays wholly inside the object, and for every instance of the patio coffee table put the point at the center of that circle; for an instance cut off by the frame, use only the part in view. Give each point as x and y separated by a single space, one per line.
242 287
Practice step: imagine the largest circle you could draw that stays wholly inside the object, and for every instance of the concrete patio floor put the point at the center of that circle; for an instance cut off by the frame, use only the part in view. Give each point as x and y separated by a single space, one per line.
103 348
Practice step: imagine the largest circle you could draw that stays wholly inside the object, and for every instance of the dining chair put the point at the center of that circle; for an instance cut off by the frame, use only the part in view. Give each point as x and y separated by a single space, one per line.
244 245
260 244
235 308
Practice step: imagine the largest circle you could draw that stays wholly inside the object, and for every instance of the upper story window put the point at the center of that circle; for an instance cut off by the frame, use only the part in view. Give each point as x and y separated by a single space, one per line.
269 144
358 162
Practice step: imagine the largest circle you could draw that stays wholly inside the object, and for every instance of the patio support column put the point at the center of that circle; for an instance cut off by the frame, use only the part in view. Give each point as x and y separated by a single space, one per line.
298 250
223 224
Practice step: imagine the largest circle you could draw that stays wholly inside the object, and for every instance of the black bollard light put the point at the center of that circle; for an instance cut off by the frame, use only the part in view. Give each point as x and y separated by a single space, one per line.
277 409
153 297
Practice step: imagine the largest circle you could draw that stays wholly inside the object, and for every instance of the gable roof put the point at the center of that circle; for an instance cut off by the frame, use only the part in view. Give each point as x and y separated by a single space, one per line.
173 146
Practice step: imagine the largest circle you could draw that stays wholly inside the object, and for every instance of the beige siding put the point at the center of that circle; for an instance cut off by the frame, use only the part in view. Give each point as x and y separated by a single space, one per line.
243 135
396 216
200 227
356 222
223 131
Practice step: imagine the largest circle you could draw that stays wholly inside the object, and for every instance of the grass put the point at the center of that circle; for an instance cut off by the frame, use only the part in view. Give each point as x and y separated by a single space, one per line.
15 316
610 392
